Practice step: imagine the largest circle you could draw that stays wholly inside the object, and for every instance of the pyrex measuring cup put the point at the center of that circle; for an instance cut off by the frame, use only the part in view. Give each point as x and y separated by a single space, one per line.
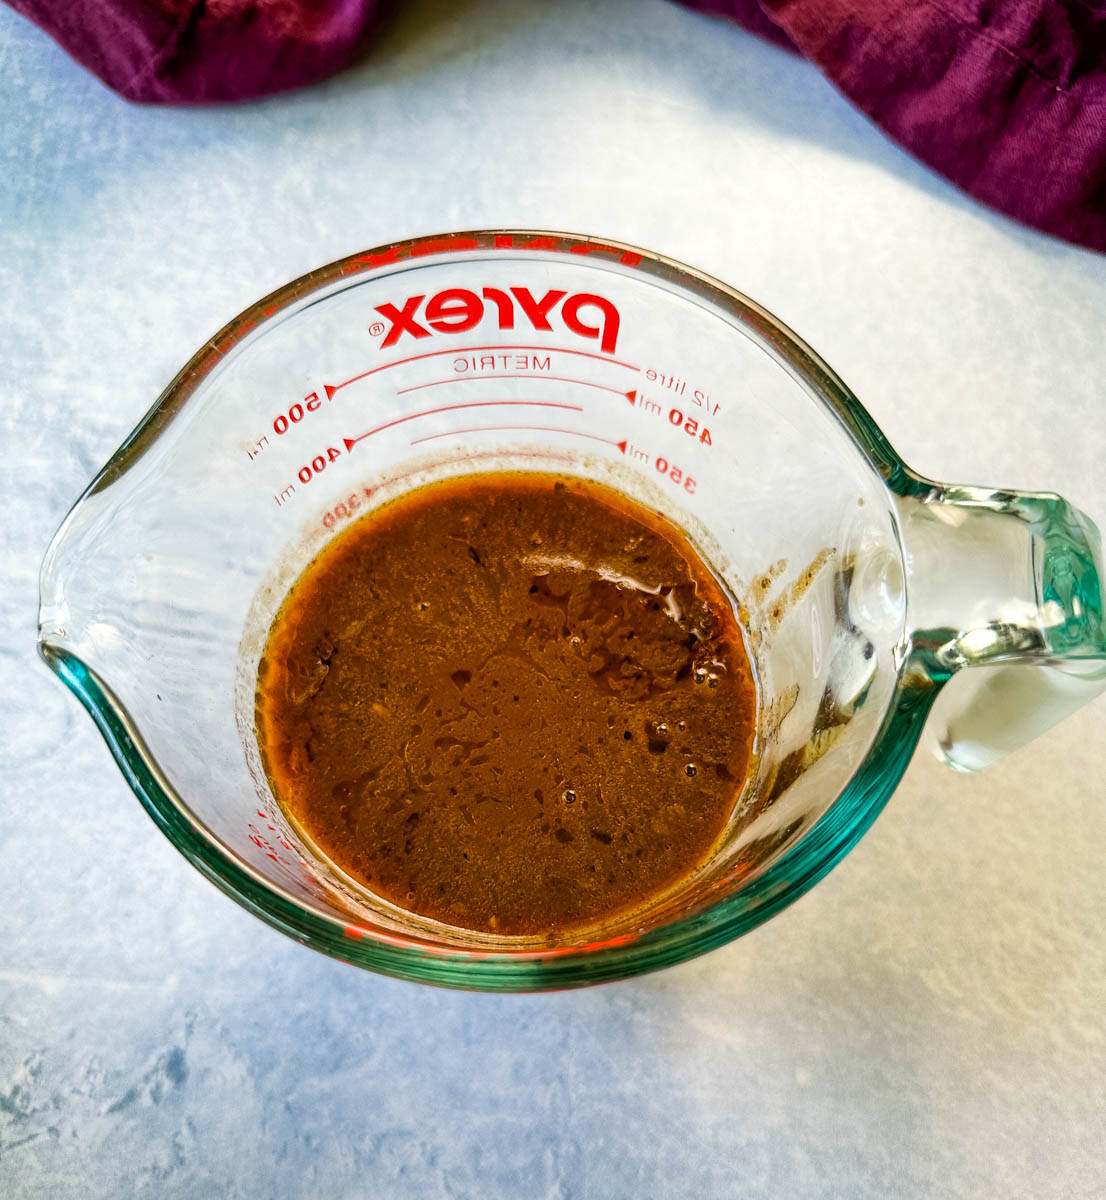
873 598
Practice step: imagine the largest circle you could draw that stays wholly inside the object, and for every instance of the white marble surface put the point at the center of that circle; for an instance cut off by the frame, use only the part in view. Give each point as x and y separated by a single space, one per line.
929 1022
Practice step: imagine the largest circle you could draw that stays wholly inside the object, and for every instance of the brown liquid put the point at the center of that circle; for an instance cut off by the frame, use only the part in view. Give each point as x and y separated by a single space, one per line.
510 702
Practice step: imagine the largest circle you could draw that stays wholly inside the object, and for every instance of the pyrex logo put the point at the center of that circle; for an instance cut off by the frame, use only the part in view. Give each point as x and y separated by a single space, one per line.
456 310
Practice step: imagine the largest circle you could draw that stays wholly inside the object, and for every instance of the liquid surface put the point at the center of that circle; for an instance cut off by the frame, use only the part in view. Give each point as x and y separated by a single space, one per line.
511 702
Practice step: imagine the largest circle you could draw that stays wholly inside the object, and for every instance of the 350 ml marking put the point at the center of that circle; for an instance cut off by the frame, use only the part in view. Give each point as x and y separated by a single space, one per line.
675 474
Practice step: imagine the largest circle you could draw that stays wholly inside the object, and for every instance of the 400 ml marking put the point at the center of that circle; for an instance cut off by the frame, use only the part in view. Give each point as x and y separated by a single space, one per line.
308 472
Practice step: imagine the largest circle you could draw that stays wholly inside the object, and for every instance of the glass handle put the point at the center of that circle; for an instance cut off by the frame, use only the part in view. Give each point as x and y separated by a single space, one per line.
1004 610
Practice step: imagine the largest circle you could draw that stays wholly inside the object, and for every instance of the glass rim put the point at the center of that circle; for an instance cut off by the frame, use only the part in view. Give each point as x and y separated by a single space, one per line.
830 838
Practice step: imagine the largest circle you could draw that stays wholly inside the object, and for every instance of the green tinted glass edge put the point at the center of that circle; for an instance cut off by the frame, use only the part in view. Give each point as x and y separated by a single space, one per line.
832 837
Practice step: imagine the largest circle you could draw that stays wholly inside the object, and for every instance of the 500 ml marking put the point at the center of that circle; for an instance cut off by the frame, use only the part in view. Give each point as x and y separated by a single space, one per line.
284 421
296 413
676 417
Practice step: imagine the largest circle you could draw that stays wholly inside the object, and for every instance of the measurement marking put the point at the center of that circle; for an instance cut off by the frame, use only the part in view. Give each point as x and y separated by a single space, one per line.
351 442
331 388
484 378
639 401
530 428
676 417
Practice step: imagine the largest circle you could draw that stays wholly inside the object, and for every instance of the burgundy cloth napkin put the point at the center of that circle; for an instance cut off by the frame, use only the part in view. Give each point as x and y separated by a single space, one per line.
201 51
1006 98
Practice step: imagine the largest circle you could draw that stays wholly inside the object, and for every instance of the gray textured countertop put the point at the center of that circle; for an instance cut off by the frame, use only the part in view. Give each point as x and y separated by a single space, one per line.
928 1022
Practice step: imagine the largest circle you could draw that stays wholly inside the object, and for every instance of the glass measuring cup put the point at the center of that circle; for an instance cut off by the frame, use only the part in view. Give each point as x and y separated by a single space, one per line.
873 599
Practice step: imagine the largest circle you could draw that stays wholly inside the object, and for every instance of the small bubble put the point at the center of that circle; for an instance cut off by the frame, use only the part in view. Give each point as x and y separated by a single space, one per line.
569 796
681 726
689 770
712 681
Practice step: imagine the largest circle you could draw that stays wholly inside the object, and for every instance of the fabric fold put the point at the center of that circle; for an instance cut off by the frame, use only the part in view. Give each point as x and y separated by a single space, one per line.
1005 99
